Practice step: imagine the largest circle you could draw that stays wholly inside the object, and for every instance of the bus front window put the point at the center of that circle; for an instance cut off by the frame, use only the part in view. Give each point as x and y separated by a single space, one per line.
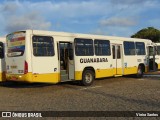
16 44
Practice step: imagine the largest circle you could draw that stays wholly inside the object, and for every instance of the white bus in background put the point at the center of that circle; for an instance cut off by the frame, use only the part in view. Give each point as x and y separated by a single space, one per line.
52 57
2 59
157 57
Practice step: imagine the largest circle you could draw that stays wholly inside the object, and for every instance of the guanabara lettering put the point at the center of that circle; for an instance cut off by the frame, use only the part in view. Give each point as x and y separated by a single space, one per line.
93 60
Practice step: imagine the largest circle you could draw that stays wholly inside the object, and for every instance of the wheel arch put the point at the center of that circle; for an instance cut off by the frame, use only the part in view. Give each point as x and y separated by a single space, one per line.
143 66
89 68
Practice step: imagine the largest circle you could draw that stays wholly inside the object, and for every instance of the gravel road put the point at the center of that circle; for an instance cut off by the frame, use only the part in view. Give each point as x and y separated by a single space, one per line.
110 94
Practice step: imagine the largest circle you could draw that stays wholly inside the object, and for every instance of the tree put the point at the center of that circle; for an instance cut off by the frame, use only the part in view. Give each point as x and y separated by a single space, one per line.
148 33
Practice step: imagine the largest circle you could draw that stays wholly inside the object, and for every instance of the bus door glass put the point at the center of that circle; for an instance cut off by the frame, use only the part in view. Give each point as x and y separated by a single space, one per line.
152 54
117 59
66 61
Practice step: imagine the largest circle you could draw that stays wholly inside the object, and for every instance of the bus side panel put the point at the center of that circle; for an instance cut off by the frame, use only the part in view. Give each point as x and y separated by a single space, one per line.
98 73
104 73
102 66
78 75
46 78
104 69
130 65
45 68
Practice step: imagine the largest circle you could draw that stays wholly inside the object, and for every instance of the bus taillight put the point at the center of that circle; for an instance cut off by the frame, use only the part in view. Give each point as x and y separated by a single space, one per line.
25 67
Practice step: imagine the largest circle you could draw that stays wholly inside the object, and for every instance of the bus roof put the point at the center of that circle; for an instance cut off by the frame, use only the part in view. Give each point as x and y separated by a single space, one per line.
80 35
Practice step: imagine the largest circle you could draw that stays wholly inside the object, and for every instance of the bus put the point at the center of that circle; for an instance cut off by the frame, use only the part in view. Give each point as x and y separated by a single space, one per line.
53 57
155 53
2 59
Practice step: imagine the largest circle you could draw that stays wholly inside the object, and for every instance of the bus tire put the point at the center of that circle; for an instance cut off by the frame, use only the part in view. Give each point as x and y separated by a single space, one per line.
87 78
140 72
156 67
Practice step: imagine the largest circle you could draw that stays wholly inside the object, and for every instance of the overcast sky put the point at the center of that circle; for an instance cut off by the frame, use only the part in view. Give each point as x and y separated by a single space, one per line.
107 17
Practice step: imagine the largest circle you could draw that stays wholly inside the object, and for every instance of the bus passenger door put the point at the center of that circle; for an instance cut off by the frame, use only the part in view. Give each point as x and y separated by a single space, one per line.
66 61
117 59
151 58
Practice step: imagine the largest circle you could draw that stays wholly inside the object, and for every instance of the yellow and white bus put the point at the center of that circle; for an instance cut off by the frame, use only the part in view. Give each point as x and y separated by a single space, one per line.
52 57
157 57
2 59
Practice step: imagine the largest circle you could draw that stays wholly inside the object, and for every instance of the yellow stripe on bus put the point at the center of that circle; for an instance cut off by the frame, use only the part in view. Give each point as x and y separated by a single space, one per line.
29 77
104 73
55 77
130 70
2 76
108 72
46 78
158 66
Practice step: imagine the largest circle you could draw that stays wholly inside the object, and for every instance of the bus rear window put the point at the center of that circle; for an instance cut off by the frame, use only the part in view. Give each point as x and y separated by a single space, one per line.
15 44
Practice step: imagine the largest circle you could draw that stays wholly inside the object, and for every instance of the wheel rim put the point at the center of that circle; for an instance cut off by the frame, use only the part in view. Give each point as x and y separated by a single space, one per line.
88 77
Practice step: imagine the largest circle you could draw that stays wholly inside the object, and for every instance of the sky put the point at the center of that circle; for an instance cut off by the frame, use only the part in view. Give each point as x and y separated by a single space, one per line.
102 17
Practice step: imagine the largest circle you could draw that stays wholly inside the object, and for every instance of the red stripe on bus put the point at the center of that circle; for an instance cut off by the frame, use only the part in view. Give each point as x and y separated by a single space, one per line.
17 39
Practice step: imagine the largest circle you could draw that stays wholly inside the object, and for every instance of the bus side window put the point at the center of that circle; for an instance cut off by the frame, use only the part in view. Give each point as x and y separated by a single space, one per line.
102 47
140 48
1 50
83 47
43 46
158 50
129 48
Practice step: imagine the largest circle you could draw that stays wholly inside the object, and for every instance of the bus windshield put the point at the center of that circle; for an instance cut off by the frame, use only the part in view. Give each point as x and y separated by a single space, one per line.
158 50
15 44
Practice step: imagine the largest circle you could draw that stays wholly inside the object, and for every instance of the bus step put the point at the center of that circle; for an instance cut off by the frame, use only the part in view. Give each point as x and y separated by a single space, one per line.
64 77
66 80
63 72
117 75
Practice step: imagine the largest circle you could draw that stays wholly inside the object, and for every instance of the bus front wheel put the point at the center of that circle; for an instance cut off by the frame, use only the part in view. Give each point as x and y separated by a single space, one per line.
87 77
140 72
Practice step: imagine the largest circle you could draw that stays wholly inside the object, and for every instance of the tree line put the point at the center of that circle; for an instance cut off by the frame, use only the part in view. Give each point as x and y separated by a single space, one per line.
148 33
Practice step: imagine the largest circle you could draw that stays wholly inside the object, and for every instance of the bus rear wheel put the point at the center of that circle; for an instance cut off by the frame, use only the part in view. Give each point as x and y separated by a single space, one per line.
140 72
87 78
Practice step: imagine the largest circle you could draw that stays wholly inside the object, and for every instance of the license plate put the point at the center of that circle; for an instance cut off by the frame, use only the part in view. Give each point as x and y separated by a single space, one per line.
14 78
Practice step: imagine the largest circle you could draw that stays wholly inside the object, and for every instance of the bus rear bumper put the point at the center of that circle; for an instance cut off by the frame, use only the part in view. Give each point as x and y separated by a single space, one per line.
19 77
32 78
2 76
